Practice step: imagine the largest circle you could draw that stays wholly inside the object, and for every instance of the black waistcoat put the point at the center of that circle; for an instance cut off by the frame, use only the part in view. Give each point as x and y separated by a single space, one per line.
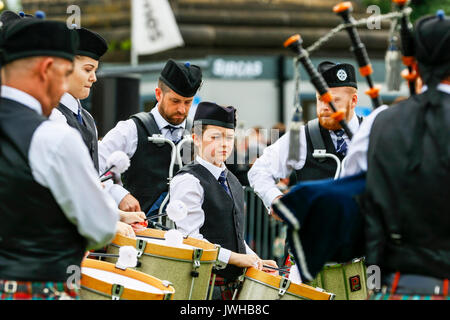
87 131
146 178
315 169
407 212
224 216
37 241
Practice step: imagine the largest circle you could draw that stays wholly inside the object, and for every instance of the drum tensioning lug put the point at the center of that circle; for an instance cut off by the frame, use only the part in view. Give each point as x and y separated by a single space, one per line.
140 247
167 296
284 285
166 283
116 291
196 256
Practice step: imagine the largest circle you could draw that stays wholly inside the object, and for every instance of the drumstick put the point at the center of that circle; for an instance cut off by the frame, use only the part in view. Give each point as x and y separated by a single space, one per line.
157 216
283 270
105 255
155 224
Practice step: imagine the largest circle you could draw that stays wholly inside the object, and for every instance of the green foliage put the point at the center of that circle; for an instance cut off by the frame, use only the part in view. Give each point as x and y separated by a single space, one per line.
385 5
115 45
426 7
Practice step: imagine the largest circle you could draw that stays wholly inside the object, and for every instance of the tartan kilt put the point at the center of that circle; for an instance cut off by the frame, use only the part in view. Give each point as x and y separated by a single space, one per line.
389 296
223 289
31 290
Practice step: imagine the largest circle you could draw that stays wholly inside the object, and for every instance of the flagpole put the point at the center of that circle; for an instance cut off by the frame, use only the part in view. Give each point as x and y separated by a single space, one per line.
134 56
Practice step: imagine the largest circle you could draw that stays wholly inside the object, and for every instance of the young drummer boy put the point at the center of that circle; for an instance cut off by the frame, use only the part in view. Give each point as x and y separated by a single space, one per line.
214 197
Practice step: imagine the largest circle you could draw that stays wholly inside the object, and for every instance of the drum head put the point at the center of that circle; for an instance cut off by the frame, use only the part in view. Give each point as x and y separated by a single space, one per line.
100 277
114 278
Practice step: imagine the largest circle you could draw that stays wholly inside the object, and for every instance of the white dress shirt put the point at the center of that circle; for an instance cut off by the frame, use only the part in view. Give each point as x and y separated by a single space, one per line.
188 189
124 137
272 165
60 161
356 159
72 104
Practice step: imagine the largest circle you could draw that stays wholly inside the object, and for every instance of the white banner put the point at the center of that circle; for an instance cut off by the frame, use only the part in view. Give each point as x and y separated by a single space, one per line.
154 28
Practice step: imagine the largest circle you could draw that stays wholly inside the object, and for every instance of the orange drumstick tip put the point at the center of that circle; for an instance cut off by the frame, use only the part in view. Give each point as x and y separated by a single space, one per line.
291 40
343 6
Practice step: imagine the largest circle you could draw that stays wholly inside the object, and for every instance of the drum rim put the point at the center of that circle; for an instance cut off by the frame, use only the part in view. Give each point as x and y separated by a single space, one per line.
332 265
294 289
208 255
169 257
202 244
89 283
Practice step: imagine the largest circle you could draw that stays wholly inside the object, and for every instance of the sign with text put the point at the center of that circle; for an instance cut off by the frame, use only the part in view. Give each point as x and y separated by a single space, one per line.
154 28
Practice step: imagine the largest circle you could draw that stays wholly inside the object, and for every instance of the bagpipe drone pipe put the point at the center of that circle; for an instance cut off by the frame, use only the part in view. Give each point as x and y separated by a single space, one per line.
324 217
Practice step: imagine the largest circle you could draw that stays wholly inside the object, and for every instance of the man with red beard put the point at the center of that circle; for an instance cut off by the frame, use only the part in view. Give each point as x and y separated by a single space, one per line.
321 133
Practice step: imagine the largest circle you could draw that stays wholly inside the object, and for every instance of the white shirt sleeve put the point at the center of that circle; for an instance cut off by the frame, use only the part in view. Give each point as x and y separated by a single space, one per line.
356 159
60 161
272 165
57 115
123 137
188 189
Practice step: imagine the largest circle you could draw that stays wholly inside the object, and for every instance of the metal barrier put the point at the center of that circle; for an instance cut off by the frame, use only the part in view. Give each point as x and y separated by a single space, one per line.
263 234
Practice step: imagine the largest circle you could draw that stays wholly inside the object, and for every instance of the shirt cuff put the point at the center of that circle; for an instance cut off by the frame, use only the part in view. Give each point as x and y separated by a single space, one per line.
248 250
224 256
118 193
270 196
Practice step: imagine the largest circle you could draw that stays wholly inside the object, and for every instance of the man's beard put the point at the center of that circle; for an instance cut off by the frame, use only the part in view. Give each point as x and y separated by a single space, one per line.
171 119
327 122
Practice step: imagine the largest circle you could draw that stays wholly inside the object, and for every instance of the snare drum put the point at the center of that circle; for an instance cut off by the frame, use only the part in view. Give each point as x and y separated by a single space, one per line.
346 280
103 281
259 285
187 267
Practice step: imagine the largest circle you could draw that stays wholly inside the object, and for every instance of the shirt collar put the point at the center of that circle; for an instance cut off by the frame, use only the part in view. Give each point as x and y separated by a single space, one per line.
215 171
441 87
70 102
21 97
161 122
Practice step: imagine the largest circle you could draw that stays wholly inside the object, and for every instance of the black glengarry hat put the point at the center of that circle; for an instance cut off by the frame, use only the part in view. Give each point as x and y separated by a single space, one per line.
210 113
8 16
183 78
36 37
91 44
338 74
432 47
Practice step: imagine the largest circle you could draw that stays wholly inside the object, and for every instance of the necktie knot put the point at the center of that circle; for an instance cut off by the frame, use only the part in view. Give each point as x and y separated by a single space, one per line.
339 132
341 146
223 176
223 182
175 137
79 117
171 128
